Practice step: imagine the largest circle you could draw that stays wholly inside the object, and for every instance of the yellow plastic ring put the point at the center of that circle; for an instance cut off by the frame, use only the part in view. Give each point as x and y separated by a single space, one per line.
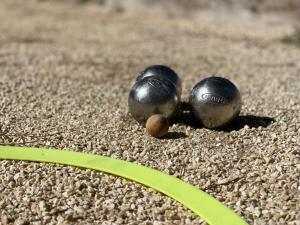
204 205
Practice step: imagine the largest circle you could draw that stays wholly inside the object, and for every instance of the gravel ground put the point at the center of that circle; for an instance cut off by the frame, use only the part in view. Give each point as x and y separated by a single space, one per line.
65 73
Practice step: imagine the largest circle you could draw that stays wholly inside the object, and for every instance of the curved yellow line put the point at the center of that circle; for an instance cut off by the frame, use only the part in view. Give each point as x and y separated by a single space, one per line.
208 208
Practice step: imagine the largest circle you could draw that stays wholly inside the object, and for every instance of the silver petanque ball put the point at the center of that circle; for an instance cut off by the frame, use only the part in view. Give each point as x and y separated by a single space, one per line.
153 95
163 71
215 101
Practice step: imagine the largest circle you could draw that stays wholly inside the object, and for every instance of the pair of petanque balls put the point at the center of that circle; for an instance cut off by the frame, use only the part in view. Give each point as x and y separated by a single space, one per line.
155 98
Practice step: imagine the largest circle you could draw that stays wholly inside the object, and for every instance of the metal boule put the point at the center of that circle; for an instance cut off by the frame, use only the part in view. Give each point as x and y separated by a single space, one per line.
215 101
153 95
164 71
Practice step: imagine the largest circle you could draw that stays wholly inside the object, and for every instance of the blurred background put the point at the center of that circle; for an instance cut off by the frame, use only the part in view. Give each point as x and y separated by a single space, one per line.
270 12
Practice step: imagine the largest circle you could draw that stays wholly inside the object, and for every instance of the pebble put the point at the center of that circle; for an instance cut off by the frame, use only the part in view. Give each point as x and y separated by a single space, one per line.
157 125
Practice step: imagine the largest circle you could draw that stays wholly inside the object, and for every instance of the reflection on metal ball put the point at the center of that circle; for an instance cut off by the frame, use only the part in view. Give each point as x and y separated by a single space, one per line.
215 101
163 71
153 95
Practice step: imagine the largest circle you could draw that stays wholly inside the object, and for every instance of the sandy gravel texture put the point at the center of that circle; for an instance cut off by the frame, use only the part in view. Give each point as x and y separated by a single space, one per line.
65 73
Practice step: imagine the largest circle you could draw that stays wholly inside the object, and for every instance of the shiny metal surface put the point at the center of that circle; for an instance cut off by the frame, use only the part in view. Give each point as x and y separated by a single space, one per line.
215 101
153 95
164 71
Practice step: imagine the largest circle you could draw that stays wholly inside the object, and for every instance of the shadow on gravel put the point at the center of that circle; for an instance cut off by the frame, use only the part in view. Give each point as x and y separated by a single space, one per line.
175 135
186 117
240 122
237 124
249 120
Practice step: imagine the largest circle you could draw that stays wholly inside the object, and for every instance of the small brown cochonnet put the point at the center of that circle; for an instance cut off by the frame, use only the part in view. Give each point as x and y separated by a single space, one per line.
157 125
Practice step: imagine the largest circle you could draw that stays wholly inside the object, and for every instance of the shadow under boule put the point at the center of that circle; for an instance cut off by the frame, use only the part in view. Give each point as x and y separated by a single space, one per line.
250 120
174 135
238 123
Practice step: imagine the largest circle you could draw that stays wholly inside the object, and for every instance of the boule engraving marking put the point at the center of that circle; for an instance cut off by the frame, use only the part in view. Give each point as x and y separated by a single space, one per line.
213 98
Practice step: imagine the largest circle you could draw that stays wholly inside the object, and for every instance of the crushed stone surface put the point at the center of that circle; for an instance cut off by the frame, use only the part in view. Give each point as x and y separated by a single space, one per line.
65 74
